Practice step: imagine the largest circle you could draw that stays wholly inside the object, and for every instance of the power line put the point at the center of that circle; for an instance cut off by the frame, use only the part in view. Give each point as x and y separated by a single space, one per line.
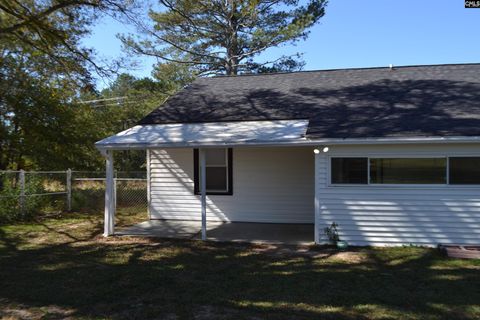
101 100
123 100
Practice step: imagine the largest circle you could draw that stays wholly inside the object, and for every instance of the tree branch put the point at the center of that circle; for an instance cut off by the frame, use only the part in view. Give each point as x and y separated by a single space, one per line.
37 17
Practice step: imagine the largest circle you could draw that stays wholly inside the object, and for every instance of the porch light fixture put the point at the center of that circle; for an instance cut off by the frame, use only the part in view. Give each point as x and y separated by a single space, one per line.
324 150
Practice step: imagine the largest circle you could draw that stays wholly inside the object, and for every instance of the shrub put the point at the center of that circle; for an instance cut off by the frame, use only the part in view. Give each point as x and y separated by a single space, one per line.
10 209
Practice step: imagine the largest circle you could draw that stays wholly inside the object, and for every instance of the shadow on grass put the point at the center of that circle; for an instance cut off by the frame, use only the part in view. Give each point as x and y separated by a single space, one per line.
123 278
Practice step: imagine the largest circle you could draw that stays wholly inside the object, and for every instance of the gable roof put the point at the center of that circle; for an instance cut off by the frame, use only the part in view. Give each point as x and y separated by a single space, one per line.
411 101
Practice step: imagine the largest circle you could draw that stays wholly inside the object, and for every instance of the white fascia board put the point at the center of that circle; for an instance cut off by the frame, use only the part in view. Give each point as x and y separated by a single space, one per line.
294 143
244 133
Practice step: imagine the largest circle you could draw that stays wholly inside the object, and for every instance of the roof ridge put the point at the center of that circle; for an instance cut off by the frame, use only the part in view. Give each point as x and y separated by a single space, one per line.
341 69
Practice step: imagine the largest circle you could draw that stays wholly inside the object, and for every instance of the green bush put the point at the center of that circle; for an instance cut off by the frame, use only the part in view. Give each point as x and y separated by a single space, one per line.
10 209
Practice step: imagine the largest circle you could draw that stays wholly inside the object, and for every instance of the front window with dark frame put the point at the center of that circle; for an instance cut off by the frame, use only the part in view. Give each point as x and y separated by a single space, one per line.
405 170
218 167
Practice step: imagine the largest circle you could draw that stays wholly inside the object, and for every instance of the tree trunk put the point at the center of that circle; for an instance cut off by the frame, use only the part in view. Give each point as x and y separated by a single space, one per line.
232 41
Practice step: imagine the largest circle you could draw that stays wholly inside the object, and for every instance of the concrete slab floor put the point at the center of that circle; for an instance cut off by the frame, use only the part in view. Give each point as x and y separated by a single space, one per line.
224 231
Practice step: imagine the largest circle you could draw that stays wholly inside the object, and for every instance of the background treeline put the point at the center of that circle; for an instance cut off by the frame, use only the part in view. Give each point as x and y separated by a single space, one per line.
51 110
45 127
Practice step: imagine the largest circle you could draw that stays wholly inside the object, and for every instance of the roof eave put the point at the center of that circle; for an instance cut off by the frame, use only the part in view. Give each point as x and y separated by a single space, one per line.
291 143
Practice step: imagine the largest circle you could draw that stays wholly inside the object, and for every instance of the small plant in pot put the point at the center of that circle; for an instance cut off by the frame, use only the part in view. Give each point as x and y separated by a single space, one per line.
332 235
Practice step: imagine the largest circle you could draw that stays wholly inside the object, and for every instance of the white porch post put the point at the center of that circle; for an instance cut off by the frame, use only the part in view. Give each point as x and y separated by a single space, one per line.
149 197
109 220
203 186
316 169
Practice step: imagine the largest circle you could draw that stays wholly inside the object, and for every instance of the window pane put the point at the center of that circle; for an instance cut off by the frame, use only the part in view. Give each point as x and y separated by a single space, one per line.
464 170
216 179
215 157
408 171
349 170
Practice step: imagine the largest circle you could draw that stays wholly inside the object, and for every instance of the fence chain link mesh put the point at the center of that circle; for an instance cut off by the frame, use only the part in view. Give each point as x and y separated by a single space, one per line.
24 194
88 190
29 193
9 195
131 193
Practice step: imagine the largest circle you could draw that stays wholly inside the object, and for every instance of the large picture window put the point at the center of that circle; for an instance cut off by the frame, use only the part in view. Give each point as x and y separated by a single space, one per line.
398 171
408 170
218 166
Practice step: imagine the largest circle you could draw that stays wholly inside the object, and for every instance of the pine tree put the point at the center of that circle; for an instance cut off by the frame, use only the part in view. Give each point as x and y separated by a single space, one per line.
225 36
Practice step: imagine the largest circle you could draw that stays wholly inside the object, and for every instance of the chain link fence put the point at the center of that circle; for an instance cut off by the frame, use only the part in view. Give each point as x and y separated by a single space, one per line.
88 190
24 194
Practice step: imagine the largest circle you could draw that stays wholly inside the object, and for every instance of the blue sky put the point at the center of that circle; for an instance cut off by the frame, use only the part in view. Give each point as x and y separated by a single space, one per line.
361 34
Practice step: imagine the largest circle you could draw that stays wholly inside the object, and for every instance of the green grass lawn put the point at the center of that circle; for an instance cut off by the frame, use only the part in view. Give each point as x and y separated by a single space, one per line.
60 267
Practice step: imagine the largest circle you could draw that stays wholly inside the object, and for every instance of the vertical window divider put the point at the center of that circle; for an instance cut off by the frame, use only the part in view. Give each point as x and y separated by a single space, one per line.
227 167
368 171
447 168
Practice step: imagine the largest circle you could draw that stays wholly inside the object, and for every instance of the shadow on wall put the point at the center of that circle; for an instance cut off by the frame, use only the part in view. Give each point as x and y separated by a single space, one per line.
178 177
269 185
419 217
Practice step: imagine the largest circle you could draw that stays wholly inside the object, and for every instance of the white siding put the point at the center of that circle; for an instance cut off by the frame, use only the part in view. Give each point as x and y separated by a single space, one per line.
269 185
394 215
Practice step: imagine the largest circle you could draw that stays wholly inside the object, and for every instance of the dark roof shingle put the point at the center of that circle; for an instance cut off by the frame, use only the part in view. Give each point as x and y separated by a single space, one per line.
420 101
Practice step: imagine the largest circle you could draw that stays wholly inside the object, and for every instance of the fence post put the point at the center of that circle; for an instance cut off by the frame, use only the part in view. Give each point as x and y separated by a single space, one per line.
115 192
115 177
69 189
22 192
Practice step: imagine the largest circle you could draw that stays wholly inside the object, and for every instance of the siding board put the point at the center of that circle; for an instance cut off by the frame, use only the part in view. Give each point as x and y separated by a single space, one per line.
396 215
269 185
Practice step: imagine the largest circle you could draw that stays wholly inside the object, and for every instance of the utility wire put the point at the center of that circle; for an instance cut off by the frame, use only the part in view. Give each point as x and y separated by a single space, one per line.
120 101
101 100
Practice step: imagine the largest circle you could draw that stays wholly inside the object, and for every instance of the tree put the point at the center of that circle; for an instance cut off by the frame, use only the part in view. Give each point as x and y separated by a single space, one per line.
53 29
121 106
224 36
43 65
41 128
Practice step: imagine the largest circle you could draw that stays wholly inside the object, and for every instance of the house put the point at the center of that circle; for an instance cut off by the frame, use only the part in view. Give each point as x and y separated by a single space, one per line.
392 155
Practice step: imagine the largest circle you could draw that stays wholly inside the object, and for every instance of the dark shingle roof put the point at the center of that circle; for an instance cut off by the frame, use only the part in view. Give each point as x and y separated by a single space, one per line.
437 100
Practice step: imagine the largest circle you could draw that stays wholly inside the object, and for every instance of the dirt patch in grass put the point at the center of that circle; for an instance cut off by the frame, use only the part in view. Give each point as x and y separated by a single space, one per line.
357 255
351 257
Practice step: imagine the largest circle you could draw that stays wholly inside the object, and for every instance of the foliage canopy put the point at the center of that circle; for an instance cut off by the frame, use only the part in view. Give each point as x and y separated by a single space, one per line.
224 37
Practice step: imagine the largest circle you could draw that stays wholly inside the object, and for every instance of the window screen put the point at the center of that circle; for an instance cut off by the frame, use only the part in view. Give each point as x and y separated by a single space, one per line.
349 170
218 167
464 170
408 170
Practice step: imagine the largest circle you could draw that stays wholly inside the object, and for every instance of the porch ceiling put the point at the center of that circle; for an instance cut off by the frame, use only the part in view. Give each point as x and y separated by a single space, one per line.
207 134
